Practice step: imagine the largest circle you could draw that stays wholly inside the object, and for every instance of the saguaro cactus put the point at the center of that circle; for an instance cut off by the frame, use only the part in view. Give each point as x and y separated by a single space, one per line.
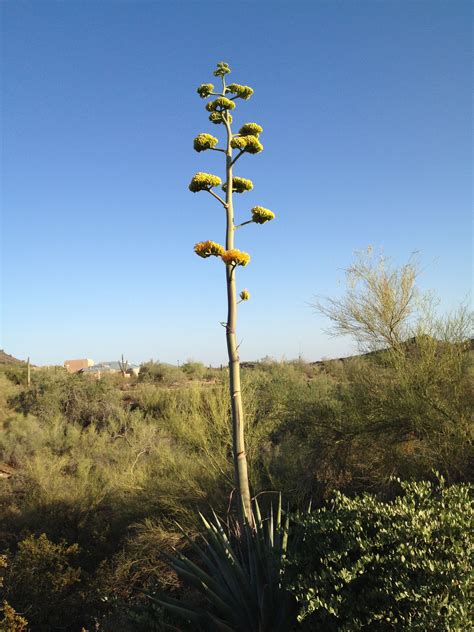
123 366
246 141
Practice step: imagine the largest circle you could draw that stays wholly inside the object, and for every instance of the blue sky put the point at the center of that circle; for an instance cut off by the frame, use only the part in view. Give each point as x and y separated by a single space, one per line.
366 113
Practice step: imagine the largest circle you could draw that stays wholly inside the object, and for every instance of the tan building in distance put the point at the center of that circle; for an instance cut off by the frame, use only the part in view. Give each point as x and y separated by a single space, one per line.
73 366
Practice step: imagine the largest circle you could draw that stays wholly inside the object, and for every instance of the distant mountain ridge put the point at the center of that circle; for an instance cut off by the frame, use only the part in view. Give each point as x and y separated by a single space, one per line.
5 358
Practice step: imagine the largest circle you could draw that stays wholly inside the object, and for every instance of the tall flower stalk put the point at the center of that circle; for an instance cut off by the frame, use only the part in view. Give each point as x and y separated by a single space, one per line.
246 141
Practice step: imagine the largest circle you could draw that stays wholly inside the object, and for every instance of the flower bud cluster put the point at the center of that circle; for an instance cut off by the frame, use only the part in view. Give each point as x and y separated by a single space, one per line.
260 215
219 104
204 182
243 92
205 90
204 141
222 69
231 257
239 185
251 129
249 144
235 257
244 295
208 248
218 117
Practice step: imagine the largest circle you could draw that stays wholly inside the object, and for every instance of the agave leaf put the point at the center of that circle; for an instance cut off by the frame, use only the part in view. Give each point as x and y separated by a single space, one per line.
201 580
182 611
221 626
270 526
258 513
278 524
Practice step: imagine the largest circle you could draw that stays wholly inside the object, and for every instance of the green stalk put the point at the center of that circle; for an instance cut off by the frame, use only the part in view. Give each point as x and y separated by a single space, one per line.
238 438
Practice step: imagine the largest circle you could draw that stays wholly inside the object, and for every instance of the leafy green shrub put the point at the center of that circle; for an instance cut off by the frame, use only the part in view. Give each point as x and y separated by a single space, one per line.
80 398
403 565
161 373
41 580
10 621
16 373
194 370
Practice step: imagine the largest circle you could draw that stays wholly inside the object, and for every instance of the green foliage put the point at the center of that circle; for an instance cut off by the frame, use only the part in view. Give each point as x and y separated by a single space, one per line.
161 373
16 373
11 621
78 397
194 370
403 565
109 465
40 579
239 574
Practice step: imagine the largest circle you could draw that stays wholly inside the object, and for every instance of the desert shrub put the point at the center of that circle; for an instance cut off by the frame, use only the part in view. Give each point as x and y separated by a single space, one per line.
10 621
405 565
161 373
40 579
78 397
194 370
16 373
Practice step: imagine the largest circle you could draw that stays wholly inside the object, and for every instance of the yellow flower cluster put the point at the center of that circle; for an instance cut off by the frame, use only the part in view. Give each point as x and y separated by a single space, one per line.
204 141
260 215
205 90
244 295
244 92
222 69
250 129
239 185
249 144
204 182
219 104
235 258
208 249
217 117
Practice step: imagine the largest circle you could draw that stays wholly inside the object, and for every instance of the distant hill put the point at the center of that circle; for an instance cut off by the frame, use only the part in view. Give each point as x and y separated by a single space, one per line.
5 358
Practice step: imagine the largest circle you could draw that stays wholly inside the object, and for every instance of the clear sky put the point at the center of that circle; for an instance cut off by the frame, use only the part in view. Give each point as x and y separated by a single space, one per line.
367 131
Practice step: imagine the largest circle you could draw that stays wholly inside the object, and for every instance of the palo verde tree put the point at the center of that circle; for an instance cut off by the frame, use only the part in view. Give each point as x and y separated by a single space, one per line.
246 141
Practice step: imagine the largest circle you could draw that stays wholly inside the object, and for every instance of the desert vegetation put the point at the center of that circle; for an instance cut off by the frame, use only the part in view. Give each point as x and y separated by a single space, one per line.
103 471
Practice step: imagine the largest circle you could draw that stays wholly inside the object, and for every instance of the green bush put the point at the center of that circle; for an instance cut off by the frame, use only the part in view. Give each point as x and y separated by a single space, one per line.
161 373
41 579
194 370
80 398
403 565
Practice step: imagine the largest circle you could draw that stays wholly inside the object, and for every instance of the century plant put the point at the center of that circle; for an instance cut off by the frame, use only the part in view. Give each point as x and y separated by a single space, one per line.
246 141
240 573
